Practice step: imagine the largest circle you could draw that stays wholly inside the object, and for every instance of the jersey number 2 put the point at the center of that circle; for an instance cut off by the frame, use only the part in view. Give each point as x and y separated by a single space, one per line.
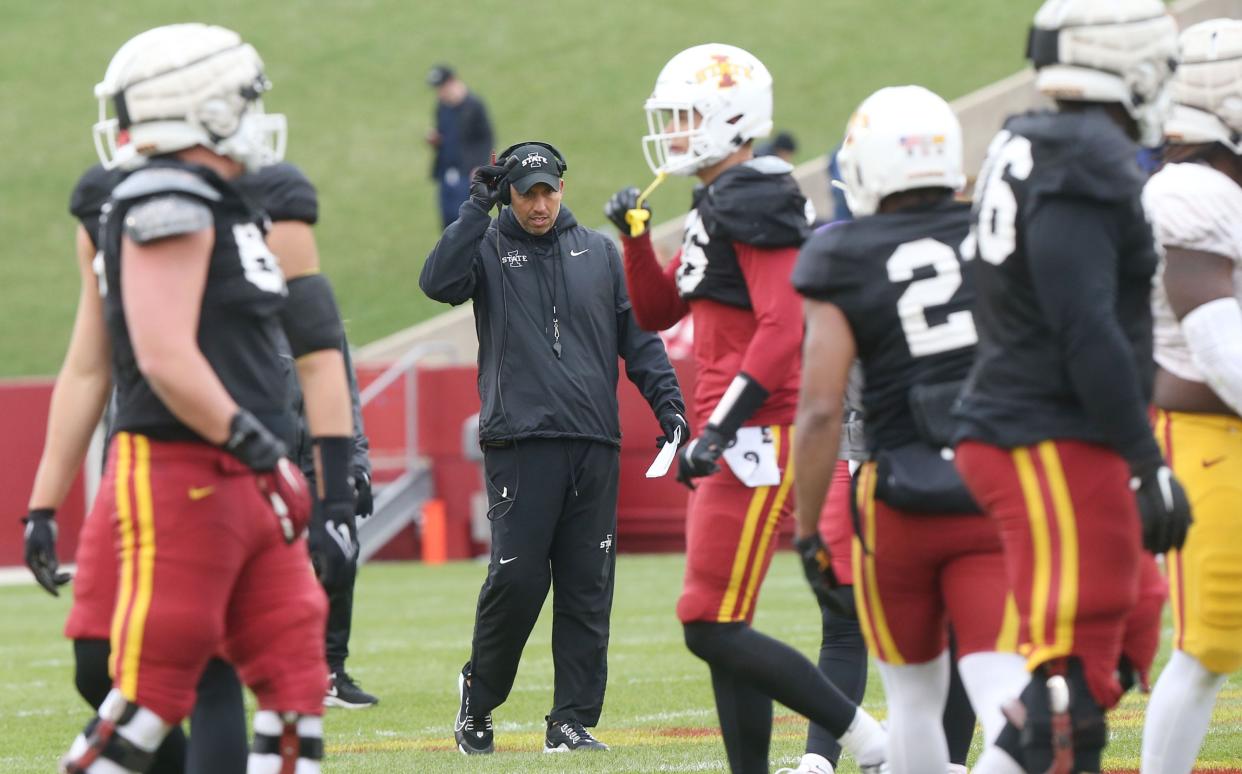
958 328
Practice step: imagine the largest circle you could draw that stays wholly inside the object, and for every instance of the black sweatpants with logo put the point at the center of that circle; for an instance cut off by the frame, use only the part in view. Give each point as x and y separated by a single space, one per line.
554 524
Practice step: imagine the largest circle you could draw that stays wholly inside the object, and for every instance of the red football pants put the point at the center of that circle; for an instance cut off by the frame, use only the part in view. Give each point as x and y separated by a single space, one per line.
1072 539
204 569
95 581
836 523
914 571
730 539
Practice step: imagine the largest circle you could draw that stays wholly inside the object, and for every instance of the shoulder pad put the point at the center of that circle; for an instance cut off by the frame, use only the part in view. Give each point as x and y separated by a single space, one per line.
160 217
92 191
151 181
282 191
758 203
1080 154
1195 207
812 275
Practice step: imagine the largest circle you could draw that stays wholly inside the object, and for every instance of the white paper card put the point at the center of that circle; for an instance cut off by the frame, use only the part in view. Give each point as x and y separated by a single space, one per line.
664 460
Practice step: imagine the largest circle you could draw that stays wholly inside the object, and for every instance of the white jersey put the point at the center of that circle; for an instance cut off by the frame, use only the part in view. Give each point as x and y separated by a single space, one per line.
1194 207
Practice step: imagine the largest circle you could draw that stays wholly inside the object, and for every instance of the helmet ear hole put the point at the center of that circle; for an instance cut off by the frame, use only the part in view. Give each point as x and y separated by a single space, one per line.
217 117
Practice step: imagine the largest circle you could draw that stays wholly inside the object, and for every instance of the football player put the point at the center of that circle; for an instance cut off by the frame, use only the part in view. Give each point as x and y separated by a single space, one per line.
191 297
1055 442
888 289
732 277
1195 203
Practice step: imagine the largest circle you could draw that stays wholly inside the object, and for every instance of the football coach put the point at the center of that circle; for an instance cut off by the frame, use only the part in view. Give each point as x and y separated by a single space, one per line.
553 316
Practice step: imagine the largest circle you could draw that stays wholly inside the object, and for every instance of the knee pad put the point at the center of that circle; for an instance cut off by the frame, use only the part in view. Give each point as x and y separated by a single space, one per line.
123 734
1042 734
90 670
285 741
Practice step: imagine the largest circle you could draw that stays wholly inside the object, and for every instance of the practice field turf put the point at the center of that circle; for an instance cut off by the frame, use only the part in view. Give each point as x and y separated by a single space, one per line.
412 634
349 74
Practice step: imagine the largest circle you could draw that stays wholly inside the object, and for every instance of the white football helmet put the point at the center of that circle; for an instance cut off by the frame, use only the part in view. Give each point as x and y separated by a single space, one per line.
1207 90
182 85
899 138
1122 51
729 89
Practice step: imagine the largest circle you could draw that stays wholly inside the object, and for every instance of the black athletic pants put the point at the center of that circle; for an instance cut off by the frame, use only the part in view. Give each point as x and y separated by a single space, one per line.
554 522
340 618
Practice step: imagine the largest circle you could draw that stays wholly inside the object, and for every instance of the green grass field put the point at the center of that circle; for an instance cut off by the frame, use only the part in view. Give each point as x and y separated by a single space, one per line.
412 634
349 74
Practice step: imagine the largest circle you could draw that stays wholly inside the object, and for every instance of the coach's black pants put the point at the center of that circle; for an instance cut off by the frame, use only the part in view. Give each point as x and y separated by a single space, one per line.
559 528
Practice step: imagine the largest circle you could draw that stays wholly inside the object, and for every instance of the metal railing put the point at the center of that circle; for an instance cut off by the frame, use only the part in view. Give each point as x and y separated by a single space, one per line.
397 503
404 366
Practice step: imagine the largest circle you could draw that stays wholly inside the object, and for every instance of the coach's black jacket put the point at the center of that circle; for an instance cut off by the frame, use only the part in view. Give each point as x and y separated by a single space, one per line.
518 283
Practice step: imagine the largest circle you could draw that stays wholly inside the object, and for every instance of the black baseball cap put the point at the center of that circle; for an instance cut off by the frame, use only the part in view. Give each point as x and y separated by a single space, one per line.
438 74
536 164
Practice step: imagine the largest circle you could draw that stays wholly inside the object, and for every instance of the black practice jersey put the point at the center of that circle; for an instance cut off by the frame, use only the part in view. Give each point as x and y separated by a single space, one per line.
757 203
1062 256
899 280
239 326
282 192
89 196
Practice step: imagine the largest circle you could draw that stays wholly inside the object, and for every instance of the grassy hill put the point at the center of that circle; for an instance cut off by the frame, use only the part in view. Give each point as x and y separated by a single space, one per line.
349 74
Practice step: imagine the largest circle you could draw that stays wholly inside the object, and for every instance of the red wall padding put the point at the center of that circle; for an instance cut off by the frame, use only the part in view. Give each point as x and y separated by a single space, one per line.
23 417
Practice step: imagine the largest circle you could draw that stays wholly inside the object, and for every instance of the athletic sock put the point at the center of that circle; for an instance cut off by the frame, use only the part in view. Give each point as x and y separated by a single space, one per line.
916 699
1178 715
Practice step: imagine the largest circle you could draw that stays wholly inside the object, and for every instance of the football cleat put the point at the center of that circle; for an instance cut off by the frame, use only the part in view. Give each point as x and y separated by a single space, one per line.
473 734
344 692
570 736
811 763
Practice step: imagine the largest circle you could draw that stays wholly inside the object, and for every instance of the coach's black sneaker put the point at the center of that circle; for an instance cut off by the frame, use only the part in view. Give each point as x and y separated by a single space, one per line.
344 692
473 733
569 736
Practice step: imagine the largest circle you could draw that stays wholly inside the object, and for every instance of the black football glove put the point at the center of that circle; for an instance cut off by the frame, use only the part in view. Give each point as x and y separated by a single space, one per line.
622 202
1164 508
41 550
252 443
671 420
817 566
486 181
364 500
333 543
700 457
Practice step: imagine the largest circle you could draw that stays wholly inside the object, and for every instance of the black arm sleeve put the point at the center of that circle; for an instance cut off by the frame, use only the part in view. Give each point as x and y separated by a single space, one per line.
362 444
450 272
1072 246
646 360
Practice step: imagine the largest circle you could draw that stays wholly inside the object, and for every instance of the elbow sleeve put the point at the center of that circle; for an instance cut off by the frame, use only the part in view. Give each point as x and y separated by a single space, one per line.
310 317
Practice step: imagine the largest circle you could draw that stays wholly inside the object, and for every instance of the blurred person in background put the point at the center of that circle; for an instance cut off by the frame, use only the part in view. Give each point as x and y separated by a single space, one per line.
783 146
462 138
